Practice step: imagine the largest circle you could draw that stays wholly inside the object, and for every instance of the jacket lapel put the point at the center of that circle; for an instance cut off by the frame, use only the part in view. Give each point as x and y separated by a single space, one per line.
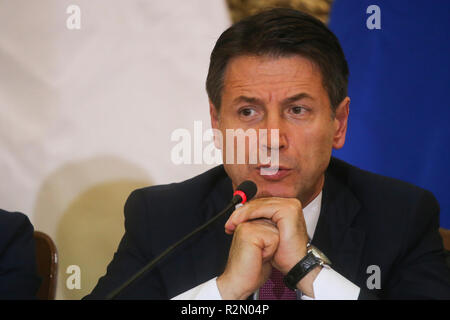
334 234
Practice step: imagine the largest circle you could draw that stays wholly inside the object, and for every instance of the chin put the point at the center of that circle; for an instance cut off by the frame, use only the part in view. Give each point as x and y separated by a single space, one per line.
280 190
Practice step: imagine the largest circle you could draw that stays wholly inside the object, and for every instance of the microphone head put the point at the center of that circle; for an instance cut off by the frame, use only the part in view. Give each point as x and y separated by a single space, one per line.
245 191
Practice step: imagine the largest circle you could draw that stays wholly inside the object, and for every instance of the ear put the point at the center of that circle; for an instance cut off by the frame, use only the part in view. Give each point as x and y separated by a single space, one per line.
340 123
214 113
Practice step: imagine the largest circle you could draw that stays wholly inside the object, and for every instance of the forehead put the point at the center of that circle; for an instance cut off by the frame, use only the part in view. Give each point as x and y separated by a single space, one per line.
265 74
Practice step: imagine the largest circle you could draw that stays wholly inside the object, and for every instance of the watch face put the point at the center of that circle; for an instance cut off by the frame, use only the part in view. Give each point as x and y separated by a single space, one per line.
319 255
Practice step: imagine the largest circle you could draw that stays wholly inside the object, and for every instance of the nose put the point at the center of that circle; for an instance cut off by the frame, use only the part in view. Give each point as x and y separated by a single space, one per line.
272 134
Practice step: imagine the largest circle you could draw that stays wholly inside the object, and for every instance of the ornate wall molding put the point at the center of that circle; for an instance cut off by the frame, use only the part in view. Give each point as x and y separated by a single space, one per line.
240 9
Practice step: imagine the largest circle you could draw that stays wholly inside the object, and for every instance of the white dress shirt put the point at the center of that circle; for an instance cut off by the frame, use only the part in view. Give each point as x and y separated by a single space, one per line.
328 285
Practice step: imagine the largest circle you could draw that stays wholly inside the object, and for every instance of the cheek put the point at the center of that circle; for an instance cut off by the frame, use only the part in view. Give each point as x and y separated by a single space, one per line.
313 144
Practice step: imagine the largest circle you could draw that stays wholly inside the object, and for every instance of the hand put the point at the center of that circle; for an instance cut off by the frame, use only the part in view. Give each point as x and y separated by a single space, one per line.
287 215
249 262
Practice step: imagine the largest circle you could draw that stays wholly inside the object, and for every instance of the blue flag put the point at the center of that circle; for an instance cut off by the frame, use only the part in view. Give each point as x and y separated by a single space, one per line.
399 59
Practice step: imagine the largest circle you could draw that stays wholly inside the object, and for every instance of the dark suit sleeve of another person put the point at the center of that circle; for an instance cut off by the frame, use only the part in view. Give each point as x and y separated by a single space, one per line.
131 255
420 270
18 269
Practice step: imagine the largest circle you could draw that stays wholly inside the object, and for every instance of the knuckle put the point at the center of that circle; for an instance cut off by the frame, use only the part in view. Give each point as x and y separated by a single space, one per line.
275 237
243 228
295 204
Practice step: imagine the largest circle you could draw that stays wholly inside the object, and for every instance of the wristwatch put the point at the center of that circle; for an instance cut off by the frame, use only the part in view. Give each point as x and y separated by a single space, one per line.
313 258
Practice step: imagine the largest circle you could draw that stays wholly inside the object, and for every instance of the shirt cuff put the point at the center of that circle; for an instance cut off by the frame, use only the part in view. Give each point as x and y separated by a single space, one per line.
205 291
330 285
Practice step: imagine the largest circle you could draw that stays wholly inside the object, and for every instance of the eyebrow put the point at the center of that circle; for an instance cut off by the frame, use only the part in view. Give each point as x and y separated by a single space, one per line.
296 97
288 100
247 100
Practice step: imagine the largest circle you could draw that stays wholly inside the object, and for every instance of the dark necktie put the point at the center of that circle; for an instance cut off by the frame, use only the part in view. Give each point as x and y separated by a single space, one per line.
275 289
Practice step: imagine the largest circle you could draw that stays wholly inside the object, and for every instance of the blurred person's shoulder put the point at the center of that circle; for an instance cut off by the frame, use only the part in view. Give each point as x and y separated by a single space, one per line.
10 222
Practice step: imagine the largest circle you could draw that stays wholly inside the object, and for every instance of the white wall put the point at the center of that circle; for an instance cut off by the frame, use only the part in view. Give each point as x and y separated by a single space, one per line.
86 115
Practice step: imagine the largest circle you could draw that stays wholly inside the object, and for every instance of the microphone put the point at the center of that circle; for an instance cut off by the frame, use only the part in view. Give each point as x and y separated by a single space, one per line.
244 192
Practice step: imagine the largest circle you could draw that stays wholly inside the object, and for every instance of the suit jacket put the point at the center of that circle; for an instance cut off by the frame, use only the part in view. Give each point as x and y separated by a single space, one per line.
18 270
365 220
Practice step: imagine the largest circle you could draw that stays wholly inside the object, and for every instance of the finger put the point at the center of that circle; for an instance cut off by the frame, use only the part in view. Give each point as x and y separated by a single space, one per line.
265 235
265 222
267 209
229 228
242 213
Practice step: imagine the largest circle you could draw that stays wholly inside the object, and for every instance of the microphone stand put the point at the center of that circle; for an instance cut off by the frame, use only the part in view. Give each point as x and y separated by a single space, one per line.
236 199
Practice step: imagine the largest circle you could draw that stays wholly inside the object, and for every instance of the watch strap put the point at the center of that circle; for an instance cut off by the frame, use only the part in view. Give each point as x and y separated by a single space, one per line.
300 270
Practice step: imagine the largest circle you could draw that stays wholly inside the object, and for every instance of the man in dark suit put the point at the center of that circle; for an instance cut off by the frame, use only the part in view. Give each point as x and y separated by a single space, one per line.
283 74
18 269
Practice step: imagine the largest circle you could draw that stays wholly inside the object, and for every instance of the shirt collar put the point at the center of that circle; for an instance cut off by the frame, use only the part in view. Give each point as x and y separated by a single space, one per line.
311 213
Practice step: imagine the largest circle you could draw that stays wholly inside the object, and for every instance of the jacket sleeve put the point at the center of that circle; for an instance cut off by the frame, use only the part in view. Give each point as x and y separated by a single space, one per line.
18 270
131 255
421 271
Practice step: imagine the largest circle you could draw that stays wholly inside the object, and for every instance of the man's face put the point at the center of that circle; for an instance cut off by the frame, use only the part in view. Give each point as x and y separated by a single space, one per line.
287 94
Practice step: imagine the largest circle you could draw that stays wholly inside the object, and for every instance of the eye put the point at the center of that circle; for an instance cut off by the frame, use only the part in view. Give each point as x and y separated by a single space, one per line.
247 112
298 110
